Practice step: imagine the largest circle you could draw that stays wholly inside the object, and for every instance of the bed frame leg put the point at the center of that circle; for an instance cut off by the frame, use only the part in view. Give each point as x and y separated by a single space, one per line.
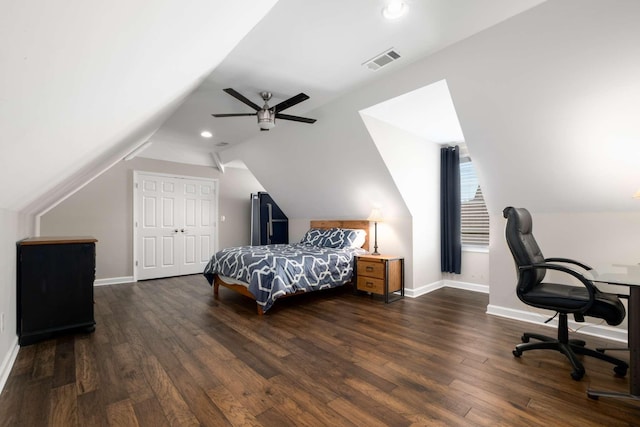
215 289
260 312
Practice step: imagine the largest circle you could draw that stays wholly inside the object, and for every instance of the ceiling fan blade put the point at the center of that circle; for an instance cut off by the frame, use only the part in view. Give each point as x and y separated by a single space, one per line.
234 115
291 102
294 118
241 98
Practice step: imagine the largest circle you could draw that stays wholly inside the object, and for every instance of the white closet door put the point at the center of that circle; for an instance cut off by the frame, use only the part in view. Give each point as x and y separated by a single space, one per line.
175 225
196 234
157 227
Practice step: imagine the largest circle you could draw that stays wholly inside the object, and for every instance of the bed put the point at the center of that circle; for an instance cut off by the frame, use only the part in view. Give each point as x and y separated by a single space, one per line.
323 259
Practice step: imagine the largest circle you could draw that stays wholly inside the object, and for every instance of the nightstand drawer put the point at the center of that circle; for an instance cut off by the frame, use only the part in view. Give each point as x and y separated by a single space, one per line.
380 274
370 284
371 269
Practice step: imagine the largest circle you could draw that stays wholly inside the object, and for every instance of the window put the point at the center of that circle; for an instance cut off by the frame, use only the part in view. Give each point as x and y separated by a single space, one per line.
474 221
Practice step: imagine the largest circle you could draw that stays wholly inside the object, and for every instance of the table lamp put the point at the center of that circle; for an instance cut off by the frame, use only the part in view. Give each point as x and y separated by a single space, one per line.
376 217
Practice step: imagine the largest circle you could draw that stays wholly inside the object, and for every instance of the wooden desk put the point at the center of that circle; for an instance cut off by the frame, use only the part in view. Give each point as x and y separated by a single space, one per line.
625 276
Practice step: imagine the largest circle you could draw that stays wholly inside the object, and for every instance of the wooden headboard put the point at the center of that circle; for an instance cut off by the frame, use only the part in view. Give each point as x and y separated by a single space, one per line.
356 224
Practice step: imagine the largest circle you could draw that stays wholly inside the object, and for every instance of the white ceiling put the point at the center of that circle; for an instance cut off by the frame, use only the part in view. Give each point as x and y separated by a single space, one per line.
318 48
427 112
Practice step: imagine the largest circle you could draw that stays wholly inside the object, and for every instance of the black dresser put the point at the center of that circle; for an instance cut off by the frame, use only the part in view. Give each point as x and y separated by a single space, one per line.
55 287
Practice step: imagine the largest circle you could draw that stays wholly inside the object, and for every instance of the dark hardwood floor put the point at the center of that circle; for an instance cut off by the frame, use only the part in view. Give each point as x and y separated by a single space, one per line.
165 352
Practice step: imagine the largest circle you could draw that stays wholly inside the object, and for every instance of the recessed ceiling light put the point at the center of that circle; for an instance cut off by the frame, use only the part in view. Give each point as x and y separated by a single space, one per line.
394 9
206 134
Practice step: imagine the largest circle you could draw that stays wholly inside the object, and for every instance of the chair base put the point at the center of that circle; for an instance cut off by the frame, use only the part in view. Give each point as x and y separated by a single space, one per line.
570 348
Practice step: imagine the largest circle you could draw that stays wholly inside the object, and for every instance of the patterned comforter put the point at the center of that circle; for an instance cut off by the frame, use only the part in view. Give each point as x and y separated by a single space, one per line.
276 270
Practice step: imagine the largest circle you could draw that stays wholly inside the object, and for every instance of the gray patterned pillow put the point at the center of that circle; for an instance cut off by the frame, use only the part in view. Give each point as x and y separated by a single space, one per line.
340 238
315 236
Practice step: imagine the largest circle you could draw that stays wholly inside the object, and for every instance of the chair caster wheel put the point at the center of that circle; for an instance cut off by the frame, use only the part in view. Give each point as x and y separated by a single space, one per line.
525 338
620 371
577 375
517 352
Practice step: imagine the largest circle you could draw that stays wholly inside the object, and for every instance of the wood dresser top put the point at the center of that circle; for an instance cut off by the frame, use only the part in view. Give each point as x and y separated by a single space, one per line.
57 240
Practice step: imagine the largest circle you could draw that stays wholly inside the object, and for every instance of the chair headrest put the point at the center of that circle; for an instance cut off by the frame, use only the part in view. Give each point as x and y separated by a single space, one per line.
520 217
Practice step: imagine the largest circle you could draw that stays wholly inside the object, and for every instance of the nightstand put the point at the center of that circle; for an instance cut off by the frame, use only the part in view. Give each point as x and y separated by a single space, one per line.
380 274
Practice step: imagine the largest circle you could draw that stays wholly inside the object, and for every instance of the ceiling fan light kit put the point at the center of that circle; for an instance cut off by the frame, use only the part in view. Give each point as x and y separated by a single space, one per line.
266 119
267 115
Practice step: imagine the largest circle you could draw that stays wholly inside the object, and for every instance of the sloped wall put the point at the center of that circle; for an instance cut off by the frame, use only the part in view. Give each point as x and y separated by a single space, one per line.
79 78
414 164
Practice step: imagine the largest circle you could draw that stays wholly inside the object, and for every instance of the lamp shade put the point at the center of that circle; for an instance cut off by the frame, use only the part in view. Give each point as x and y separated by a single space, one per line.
375 215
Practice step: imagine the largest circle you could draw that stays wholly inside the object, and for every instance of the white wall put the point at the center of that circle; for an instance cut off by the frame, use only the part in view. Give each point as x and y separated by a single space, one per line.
104 209
13 227
414 164
475 269
596 238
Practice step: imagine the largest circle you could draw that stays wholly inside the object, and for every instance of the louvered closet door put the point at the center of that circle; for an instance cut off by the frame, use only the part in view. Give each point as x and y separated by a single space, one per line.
175 225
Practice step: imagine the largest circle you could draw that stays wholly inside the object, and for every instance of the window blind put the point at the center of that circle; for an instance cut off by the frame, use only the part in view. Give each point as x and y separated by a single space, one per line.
474 221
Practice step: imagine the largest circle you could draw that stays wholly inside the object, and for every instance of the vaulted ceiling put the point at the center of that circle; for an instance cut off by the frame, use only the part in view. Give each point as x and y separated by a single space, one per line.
317 48
85 83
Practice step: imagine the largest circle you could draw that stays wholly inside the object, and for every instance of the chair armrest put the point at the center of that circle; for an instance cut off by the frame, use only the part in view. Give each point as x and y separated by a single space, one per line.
586 282
569 261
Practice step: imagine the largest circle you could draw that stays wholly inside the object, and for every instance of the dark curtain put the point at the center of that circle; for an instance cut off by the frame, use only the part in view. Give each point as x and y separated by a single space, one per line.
450 244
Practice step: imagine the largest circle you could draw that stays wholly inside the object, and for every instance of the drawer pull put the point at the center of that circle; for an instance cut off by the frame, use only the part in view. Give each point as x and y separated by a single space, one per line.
369 268
369 284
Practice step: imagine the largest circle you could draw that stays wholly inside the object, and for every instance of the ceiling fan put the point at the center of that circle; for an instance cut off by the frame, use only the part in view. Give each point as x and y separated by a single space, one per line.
267 115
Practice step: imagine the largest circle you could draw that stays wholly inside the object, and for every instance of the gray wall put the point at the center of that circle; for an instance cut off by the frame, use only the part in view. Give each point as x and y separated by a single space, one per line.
104 209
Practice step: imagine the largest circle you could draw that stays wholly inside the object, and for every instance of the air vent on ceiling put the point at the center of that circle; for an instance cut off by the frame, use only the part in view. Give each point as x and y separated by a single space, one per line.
382 59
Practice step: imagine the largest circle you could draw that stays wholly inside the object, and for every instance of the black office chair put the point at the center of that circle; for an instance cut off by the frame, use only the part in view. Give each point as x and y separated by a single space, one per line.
585 300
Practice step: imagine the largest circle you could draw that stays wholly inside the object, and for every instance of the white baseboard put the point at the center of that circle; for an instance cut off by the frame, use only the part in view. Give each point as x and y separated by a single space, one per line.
113 281
593 329
596 330
7 363
423 290
476 287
